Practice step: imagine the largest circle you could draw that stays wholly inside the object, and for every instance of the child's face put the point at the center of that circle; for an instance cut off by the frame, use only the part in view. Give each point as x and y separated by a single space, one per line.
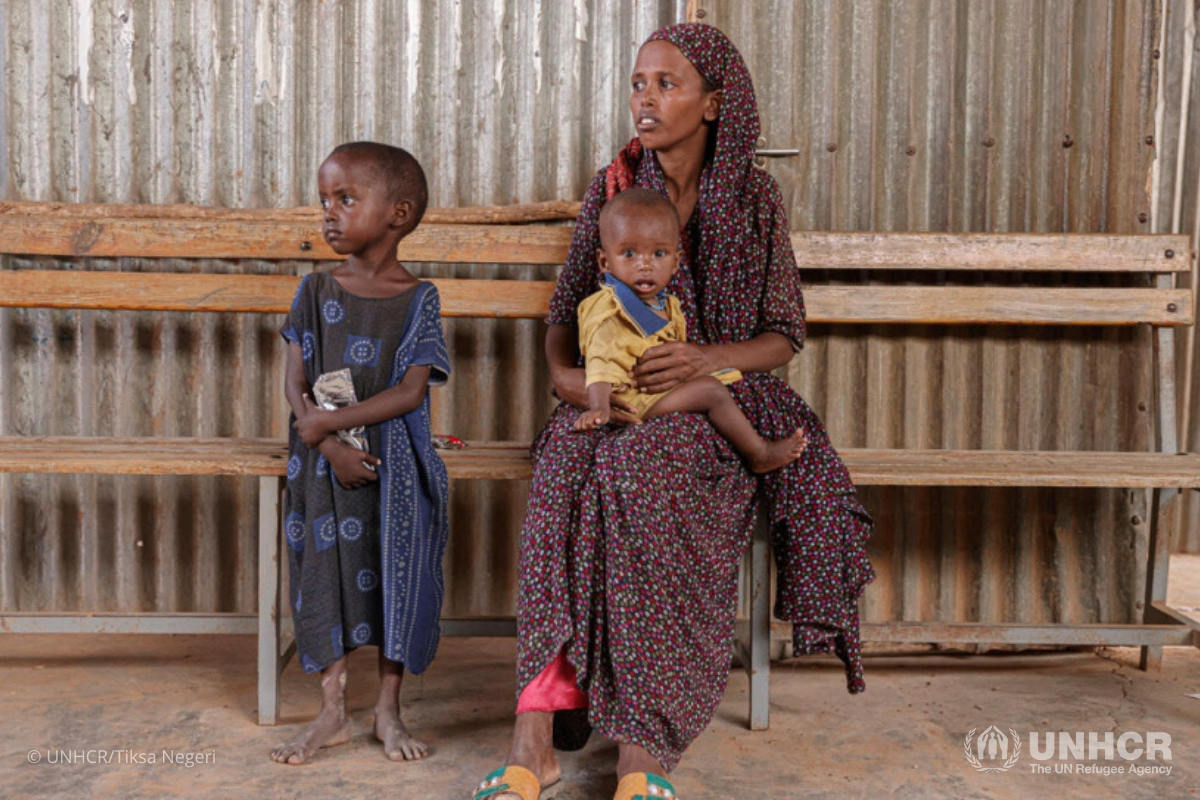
640 248
354 199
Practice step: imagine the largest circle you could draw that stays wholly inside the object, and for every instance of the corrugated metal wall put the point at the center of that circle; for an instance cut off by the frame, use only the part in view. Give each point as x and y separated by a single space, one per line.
1177 207
910 114
1013 115
233 103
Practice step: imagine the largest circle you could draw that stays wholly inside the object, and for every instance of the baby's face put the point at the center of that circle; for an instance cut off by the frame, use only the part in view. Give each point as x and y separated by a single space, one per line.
640 248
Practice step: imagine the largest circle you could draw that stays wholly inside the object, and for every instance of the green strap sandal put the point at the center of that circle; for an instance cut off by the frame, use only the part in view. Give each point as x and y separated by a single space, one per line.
645 786
513 780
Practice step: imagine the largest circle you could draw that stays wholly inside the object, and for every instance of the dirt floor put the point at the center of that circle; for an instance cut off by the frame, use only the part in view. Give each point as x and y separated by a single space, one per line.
71 701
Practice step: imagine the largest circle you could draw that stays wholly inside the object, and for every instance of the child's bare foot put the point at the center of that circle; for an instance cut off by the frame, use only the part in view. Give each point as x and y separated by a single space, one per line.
774 455
398 743
329 729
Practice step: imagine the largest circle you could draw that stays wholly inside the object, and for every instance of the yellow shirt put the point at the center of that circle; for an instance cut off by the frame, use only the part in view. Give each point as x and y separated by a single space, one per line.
612 342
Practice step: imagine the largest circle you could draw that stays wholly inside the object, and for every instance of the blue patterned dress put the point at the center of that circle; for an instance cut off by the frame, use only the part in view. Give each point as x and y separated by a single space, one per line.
366 563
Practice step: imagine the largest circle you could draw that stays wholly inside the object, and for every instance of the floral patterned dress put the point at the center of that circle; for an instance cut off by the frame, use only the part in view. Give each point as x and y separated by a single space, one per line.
633 536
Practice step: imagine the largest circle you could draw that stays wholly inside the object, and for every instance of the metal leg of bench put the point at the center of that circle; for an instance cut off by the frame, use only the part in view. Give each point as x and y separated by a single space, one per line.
760 628
269 666
1158 561
1158 557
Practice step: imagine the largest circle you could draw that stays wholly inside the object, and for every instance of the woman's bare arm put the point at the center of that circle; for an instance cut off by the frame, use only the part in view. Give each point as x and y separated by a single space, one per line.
570 381
666 366
562 351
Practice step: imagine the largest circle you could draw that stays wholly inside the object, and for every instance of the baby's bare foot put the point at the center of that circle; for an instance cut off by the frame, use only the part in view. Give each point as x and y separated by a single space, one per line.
329 729
398 743
780 453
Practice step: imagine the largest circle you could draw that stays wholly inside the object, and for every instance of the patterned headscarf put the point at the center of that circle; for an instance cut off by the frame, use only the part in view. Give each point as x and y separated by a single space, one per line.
719 63
743 281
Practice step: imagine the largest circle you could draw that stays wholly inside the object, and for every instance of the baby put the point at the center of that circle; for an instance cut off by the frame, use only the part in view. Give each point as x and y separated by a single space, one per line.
638 256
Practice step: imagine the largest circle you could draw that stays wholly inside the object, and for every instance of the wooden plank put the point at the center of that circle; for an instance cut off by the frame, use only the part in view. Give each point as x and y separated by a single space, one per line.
1011 633
182 456
950 305
510 460
489 461
1060 635
958 305
142 455
149 623
1027 468
110 231
982 252
151 291
271 240
517 213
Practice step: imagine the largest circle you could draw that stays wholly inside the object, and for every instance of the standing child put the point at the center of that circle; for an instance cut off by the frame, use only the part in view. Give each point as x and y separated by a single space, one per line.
639 254
365 530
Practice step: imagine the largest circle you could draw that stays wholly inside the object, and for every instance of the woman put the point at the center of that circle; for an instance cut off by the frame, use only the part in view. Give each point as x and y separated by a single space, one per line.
633 534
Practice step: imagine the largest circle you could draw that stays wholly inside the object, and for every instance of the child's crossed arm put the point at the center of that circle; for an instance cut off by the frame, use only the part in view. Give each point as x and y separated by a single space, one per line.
318 428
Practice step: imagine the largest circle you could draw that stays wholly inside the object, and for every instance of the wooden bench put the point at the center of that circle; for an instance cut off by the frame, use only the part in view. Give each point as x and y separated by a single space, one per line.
929 263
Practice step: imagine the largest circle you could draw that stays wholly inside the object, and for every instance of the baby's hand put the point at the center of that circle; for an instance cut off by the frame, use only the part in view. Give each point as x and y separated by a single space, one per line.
593 418
314 425
350 465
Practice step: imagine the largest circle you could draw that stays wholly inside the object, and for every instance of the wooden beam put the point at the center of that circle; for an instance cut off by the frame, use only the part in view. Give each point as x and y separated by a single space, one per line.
874 304
183 456
267 294
455 236
1133 470
960 305
510 460
1012 633
147 623
985 252
517 213
270 240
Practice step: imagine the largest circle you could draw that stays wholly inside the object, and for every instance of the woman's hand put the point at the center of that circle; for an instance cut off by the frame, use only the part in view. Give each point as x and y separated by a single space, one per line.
349 464
665 366
314 425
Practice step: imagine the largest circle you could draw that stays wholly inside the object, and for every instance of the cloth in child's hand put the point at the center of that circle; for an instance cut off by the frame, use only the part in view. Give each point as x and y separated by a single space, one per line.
334 390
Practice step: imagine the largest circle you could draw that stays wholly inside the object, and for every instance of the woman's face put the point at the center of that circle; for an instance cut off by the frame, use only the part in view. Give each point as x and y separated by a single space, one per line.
669 101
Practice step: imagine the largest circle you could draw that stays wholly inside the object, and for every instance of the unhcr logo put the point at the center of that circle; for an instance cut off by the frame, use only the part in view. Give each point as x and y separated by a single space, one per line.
991 752
997 751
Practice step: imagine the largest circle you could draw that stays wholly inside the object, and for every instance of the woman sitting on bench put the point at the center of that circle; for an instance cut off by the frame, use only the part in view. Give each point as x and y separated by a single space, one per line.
633 534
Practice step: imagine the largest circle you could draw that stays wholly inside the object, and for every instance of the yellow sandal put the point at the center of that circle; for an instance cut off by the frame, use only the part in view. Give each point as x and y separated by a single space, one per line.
513 780
645 786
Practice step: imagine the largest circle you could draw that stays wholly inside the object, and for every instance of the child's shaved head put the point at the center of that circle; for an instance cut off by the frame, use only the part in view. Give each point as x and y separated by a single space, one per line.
637 201
396 167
